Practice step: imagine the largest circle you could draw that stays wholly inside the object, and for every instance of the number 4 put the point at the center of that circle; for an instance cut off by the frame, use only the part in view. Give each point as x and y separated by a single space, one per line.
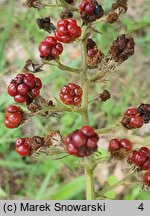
141 207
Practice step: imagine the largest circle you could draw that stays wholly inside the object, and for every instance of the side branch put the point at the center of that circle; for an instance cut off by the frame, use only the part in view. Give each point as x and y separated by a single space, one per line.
63 67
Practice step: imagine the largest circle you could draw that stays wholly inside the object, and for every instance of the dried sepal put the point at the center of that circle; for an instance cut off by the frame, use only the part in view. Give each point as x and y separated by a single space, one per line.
104 96
37 142
33 4
46 24
120 6
95 59
54 138
90 44
30 66
112 17
66 14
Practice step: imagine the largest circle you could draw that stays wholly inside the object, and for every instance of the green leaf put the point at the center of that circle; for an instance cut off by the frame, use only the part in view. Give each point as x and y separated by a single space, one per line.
44 185
7 29
2 193
111 180
68 191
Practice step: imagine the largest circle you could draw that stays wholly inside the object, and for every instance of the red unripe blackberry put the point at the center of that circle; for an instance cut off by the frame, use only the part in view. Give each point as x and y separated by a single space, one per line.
13 116
146 179
29 80
72 21
146 165
131 111
120 149
91 52
51 40
138 158
22 147
88 131
132 119
74 31
38 82
82 142
59 48
72 149
13 109
35 92
126 144
90 10
67 30
8 124
50 49
79 139
20 99
22 89
23 150
71 94
145 150
136 121
26 86
64 39
44 49
20 141
87 6
91 143
114 144
12 90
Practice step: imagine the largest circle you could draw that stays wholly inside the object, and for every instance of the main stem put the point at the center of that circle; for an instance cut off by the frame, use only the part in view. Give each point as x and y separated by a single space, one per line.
90 191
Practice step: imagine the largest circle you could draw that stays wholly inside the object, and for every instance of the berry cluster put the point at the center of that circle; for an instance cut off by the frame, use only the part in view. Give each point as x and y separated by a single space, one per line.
132 119
23 146
90 10
141 158
24 87
13 116
71 94
112 17
122 48
50 49
27 146
120 148
144 112
94 55
82 142
146 179
67 30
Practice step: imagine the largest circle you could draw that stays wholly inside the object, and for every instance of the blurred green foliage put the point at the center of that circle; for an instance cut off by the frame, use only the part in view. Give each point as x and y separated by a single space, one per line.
41 179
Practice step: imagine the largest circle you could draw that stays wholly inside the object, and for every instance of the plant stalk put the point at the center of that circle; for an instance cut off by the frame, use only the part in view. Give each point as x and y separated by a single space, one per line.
90 191
119 183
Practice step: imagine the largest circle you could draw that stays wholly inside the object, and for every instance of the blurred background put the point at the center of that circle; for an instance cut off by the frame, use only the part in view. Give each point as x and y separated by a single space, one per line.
43 178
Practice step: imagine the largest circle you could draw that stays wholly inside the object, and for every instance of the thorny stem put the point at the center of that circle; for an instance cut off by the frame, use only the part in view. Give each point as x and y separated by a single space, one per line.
108 129
88 163
119 183
52 5
55 109
62 66
67 68
90 190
